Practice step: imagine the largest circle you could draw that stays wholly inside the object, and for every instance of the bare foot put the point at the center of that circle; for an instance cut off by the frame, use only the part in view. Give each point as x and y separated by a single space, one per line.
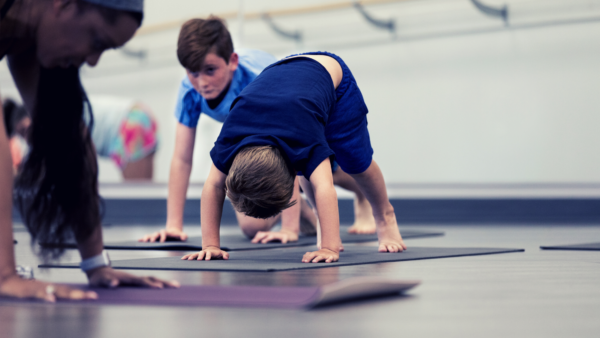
364 222
389 236
308 219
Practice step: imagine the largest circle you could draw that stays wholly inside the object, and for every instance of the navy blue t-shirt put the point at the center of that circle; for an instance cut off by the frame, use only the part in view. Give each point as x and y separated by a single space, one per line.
286 106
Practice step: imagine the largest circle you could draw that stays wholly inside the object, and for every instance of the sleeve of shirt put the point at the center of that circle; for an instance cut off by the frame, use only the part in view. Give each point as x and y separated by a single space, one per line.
187 109
255 60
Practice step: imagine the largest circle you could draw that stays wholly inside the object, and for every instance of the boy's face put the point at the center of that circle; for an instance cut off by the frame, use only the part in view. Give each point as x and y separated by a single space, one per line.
214 75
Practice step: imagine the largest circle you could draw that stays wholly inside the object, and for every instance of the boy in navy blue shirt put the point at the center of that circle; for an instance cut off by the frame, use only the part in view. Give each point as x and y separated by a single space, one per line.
299 115
216 75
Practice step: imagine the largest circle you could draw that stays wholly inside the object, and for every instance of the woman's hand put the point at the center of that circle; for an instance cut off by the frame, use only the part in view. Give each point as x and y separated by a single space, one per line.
111 278
15 286
211 252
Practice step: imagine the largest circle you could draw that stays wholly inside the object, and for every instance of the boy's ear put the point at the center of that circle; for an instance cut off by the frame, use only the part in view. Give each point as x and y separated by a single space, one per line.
234 61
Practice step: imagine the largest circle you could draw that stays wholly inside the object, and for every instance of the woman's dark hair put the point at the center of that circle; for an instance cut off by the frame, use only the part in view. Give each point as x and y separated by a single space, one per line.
110 14
57 188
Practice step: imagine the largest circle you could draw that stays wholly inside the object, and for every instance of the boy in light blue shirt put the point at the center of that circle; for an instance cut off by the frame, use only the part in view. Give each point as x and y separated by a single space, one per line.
215 77
190 103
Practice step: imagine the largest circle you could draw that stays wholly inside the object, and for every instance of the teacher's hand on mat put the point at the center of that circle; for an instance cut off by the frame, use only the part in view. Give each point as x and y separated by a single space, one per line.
111 278
15 286
323 255
168 233
211 252
282 236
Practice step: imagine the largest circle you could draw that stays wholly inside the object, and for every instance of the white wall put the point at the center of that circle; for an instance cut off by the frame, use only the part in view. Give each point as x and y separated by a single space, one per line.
455 96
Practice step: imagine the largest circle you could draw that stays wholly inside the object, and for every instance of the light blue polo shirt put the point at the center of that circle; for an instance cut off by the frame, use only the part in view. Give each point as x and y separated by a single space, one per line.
190 104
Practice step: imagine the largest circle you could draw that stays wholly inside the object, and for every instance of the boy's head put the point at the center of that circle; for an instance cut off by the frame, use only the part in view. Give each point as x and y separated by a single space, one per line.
205 50
260 184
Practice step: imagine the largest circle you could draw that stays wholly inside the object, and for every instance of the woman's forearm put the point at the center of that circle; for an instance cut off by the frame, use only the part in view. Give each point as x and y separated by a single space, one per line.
93 245
7 256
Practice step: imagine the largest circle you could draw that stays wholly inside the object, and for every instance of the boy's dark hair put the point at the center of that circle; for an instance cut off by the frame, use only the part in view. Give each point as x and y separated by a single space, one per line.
260 184
199 37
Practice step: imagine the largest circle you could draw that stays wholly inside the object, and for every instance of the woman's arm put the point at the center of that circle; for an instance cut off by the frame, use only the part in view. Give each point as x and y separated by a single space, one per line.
179 179
106 276
7 257
10 283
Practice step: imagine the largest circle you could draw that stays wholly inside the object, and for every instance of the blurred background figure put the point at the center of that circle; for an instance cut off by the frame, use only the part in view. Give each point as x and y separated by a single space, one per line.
124 131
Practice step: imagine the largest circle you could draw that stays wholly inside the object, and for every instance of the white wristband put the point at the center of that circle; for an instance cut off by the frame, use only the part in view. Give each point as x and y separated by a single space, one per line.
95 262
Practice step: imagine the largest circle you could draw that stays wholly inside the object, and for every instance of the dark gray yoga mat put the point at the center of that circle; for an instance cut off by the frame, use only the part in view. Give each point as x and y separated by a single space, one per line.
290 259
236 242
246 296
585 246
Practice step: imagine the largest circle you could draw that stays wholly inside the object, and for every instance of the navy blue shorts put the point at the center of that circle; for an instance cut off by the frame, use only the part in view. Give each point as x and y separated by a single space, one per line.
346 130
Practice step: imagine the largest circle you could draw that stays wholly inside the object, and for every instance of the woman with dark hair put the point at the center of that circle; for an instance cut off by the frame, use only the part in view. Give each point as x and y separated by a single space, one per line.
46 41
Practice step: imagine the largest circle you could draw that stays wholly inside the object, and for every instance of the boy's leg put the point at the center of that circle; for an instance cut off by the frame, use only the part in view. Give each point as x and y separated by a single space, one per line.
364 223
308 219
372 185
140 170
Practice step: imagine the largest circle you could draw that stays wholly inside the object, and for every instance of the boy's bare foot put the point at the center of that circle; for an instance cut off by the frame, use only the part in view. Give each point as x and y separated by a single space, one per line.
389 236
364 222
308 219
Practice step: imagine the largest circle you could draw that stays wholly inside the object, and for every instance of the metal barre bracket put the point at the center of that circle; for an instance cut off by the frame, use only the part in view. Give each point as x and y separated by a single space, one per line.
389 25
137 54
295 35
492 11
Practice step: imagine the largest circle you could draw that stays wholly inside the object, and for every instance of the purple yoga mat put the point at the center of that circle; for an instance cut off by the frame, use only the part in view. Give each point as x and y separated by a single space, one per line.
209 295
291 297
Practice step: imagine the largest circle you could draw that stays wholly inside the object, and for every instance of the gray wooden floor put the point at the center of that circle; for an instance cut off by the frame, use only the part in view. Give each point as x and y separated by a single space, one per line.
532 294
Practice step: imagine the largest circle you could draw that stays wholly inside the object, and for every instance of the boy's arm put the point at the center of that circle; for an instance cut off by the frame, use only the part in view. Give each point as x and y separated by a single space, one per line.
211 209
179 178
327 210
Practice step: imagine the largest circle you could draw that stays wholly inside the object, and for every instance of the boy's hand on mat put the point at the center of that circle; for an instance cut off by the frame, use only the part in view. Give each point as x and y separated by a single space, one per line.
164 234
211 252
323 255
282 236
111 278
15 286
